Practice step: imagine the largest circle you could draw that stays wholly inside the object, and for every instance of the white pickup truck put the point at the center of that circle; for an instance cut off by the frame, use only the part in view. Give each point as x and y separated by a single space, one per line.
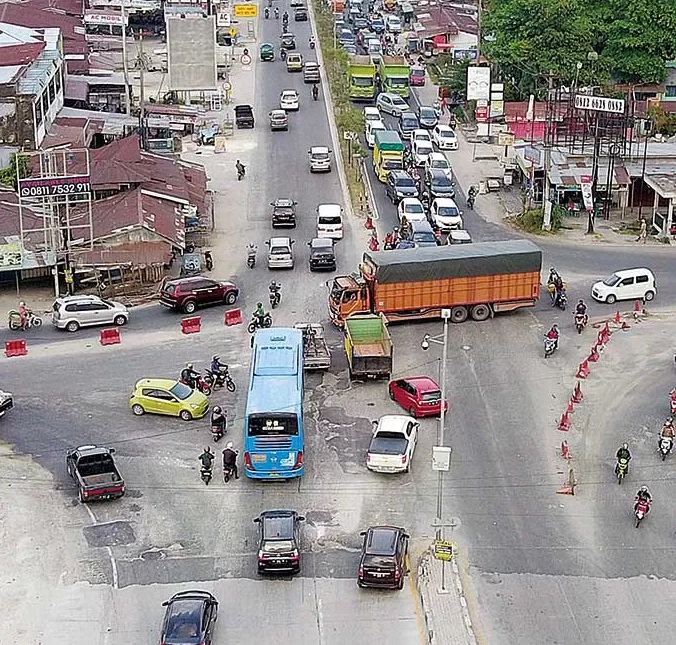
392 444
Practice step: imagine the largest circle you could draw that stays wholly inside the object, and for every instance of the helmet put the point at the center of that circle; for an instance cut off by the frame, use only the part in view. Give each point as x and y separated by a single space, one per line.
229 445
215 357
580 301
625 446
259 304
217 409
644 489
552 269
189 365
207 449
22 304
555 327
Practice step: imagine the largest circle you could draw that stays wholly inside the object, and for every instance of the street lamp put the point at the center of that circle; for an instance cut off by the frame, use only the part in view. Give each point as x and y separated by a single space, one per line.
440 339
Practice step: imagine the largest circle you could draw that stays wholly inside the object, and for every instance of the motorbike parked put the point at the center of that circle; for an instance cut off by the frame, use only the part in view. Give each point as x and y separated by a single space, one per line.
220 379
580 322
641 509
256 323
666 444
549 346
621 469
14 320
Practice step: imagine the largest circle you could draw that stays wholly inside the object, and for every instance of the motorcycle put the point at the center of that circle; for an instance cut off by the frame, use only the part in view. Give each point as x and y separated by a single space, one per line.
666 444
201 384
312 43
228 472
550 346
641 509
560 300
315 92
14 320
220 379
206 474
470 202
276 13
621 469
266 13
256 324
282 54
251 256
275 297
672 395
580 322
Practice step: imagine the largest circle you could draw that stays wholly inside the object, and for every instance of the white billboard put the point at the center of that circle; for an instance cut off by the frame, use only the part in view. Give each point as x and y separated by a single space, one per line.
478 83
191 52
599 104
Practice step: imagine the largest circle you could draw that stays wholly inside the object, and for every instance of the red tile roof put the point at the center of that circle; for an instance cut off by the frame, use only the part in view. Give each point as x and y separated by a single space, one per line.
69 7
135 253
20 54
24 15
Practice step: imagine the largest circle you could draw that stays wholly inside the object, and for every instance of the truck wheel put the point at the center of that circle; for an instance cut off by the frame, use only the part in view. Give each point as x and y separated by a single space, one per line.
459 314
481 312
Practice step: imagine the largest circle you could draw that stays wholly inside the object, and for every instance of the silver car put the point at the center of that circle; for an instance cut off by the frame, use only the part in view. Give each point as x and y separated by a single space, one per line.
73 312
280 253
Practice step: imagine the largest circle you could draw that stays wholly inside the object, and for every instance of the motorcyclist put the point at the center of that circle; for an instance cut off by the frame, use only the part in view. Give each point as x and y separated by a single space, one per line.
266 12
643 495
285 17
389 241
230 459
219 418
275 287
24 313
396 237
217 367
277 13
581 310
189 375
241 170
259 314
553 333
207 459
668 429
311 41
622 453
315 91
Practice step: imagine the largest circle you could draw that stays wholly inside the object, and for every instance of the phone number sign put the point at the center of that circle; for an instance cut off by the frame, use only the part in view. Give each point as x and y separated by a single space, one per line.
54 186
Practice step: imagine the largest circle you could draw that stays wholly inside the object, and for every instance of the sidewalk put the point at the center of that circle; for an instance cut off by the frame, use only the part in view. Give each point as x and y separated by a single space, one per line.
475 161
445 612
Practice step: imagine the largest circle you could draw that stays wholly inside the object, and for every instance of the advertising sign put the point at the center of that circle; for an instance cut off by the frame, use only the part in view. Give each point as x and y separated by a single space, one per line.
246 10
10 256
478 83
599 104
54 186
444 550
586 188
103 19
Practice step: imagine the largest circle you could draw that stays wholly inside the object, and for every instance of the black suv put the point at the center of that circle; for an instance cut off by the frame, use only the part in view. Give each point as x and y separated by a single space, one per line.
322 254
300 14
279 541
189 618
438 184
400 184
383 557
283 213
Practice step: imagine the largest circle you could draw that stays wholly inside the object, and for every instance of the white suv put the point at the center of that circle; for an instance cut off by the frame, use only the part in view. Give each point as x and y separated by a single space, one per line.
73 312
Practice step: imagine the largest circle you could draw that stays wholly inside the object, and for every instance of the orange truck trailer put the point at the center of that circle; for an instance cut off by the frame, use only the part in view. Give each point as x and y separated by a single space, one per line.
472 280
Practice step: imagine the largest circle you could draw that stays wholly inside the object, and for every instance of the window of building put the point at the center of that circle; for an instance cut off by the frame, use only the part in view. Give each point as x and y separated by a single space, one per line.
50 90
670 92
38 111
45 102
57 82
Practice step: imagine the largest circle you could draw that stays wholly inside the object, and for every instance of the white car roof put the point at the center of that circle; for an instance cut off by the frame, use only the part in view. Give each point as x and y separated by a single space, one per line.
294 92
329 209
280 241
374 125
410 200
421 131
445 129
394 422
319 149
372 110
627 273
422 144
445 201
439 156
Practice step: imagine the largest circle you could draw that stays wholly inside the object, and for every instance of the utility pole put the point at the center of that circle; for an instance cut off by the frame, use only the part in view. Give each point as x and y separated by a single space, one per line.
142 63
546 201
125 65
478 36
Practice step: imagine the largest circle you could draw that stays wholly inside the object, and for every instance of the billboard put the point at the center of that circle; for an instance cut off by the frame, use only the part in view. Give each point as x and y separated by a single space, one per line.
478 83
599 104
191 52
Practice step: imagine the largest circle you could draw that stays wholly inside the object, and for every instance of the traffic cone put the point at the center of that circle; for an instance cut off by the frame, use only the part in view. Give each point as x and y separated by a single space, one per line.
570 409
566 490
565 450
577 394
583 370
638 308
564 423
594 354
617 317
368 224
373 242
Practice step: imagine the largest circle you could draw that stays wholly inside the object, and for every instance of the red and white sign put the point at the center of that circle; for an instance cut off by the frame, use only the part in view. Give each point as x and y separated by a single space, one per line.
103 18
586 187
481 113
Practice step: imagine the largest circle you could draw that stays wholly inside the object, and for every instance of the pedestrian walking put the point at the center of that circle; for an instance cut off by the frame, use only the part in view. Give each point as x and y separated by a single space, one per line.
443 104
643 232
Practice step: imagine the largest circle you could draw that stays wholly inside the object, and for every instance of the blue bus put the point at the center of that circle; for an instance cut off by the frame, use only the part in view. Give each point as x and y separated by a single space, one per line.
273 424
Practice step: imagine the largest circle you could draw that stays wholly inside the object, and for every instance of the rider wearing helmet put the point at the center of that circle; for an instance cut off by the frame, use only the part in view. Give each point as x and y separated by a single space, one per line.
643 495
218 418
230 458
581 308
622 453
216 366
259 314
553 333
667 431
207 458
189 375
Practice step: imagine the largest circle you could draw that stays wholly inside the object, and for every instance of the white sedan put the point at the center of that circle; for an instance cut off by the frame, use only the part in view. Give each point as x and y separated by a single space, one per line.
421 135
410 209
289 100
438 160
444 137
421 151
445 214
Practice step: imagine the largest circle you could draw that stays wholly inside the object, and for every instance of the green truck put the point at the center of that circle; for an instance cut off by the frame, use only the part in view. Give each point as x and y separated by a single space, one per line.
394 75
388 153
368 346
362 77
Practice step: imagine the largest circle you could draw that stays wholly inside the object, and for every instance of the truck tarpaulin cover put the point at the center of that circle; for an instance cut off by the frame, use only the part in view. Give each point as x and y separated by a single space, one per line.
453 261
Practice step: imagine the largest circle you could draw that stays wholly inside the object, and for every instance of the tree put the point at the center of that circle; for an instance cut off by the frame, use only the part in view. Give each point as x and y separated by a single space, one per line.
8 175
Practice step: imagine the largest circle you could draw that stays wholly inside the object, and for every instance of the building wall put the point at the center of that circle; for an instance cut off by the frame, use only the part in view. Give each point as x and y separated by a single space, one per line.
50 103
9 126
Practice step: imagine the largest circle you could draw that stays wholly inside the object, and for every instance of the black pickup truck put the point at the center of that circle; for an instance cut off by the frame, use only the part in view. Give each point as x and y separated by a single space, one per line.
95 473
244 117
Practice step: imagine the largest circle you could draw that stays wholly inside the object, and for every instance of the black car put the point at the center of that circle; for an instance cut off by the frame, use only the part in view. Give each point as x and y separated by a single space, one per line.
400 184
427 117
279 541
408 122
288 41
283 213
189 618
383 557
322 254
438 184
300 14
420 234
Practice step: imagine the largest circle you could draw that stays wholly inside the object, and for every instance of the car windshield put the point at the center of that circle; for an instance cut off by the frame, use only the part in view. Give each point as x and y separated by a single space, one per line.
413 208
435 395
398 102
440 163
278 546
447 134
279 250
448 211
320 155
418 72
329 219
181 391
409 124
424 236
290 95
261 425
441 181
392 164
612 280
405 182
424 150
184 626
362 81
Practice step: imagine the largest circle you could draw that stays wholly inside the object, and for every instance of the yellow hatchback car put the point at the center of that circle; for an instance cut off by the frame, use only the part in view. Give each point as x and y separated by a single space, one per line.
167 396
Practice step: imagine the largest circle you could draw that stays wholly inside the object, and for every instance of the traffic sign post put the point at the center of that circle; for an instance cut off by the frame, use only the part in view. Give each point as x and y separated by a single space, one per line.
444 550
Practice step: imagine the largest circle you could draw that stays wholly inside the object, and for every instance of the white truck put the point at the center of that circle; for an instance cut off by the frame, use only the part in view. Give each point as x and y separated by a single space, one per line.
6 402
392 444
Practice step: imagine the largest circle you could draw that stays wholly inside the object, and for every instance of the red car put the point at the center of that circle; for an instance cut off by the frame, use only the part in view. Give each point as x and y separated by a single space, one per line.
417 76
420 396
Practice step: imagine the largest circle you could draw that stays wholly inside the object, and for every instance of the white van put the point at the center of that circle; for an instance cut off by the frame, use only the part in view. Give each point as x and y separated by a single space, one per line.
629 284
371 128
330 221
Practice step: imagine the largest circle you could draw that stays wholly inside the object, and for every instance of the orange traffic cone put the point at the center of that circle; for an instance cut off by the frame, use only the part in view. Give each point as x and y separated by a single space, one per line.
577 394
617 317
583 370
564 423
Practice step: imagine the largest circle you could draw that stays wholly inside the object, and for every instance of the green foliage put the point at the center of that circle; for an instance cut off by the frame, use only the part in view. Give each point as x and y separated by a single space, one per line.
8 175
664 122
531 220
629 41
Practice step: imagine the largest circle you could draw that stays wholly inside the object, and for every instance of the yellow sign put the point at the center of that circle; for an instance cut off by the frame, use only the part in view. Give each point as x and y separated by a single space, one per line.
246 10
505 139
232 32
10 255
444 550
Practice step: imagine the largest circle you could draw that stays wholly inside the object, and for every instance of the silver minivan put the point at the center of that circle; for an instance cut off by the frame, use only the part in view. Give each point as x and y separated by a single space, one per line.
73 312
280 253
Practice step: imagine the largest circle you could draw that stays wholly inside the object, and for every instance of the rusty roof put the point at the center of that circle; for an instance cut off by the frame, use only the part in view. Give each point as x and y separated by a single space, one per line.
23 54
133 253
23 14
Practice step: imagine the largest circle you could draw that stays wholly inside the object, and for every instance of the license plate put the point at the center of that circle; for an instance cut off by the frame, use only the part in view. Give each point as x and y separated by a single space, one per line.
259 458
378 575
